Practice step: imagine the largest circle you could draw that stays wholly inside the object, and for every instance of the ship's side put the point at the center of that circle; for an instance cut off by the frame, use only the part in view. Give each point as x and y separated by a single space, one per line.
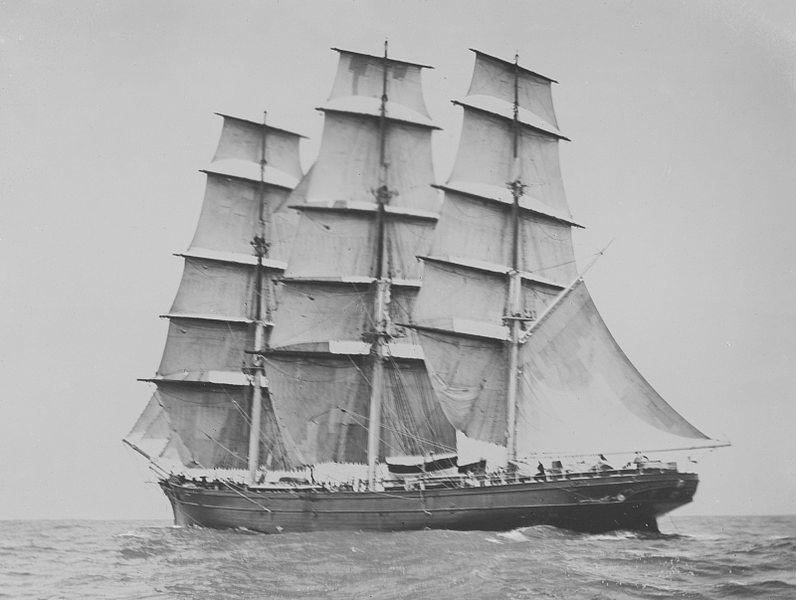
588 502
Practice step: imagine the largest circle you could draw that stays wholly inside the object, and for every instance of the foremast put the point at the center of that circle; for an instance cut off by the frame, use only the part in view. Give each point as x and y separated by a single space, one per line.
261 316
514 317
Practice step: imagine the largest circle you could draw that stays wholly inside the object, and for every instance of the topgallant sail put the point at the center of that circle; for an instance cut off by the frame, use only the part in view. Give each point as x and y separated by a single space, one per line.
309 380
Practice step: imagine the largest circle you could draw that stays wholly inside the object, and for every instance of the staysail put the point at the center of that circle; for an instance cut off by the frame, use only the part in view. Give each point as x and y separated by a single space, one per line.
581 394
367 209
502 253
202 407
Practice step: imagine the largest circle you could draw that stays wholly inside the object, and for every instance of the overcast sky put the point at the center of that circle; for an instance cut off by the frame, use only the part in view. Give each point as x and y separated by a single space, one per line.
683 121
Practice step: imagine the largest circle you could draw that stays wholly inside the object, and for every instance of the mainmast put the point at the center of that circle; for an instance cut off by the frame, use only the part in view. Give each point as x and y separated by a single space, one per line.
350 386
514 315
382 283
261 310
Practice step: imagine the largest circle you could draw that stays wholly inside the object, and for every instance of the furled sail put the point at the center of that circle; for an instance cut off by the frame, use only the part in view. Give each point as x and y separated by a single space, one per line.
347 239
581 394
202 405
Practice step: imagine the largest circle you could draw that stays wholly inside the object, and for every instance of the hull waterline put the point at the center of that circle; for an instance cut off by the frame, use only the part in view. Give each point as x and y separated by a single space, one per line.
596 504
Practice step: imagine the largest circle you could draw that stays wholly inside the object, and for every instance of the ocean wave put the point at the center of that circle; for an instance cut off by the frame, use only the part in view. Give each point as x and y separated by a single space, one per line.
779 589
633 535
708 559
515 535
131 534
774 545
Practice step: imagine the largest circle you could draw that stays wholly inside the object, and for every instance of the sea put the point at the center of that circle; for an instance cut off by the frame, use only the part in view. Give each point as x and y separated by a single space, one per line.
693 557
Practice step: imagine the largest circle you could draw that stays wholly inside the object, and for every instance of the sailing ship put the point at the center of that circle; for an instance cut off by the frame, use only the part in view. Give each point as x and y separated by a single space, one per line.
360 347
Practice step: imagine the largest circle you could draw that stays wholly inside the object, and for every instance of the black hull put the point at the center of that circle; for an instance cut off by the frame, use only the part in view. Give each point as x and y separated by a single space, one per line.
588 504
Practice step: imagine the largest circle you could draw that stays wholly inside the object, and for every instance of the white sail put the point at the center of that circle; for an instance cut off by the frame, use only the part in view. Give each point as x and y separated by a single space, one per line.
457 292
322 401
230 213
486 156
313 313
243 140
153 436
498 79
215 289
195 347
545 244
361 76
340 242
348 168
212 425
581 394
469 376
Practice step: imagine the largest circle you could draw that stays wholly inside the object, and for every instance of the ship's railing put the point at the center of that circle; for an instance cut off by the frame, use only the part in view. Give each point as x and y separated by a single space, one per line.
428 481
505 478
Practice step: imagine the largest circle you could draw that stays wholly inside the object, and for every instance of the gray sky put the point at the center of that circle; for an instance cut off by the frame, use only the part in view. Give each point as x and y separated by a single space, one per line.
683 121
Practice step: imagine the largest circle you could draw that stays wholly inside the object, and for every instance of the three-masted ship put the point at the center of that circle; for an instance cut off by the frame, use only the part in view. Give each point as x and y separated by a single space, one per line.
359 347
